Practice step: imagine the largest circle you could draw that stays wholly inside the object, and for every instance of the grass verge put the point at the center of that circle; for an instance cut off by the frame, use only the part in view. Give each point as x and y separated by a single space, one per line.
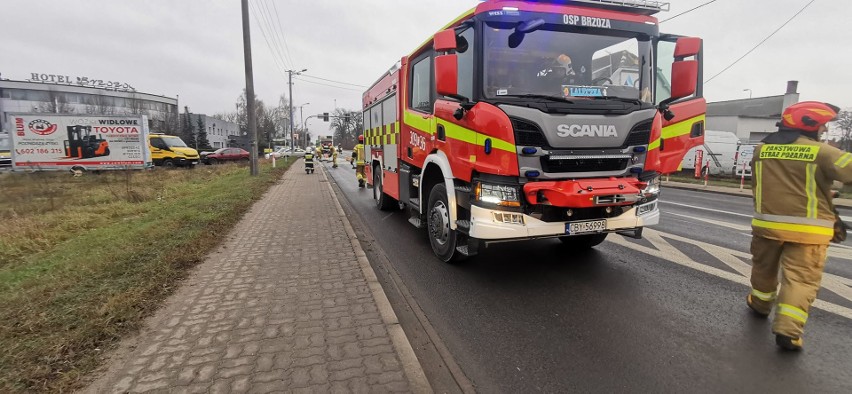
84 260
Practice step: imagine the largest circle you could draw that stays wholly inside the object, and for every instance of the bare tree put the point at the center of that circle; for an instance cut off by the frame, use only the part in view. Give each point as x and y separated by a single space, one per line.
347 125
99 104
135 105
56 103
844 123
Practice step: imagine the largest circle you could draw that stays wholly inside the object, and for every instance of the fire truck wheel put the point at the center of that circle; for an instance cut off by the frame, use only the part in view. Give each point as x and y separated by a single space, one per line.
383 201
582 242
441 236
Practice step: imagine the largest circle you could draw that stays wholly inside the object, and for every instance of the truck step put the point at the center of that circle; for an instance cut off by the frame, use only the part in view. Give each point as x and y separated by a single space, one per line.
463 189
469 249
415 203
463 223
416 222
634 233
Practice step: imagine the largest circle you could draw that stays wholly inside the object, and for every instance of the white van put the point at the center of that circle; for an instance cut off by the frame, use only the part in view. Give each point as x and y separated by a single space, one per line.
743 160
720 149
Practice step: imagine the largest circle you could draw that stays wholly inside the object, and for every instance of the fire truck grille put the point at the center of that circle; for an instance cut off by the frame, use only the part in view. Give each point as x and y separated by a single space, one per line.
639 135
583 164
528 134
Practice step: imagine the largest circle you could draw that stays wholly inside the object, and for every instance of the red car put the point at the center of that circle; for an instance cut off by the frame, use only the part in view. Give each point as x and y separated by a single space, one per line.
226 154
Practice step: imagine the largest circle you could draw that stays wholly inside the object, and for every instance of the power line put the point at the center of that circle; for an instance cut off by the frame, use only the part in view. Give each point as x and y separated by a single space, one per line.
688 11
278 18
761 42
331 80
275 49
273 32
325 84
272 52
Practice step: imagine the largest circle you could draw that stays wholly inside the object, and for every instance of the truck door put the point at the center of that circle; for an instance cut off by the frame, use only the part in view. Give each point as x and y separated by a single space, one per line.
686 129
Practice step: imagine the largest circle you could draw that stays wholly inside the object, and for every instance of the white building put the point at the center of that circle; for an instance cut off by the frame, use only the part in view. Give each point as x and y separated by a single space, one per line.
219 132
751 119
85 97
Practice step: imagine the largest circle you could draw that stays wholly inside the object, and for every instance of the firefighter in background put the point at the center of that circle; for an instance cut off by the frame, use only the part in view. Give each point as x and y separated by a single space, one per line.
333 157
319 153
358 159
794 218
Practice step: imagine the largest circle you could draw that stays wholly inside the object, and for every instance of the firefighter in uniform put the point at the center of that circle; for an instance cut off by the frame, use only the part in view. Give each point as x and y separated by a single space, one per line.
794 218
358 158
333 157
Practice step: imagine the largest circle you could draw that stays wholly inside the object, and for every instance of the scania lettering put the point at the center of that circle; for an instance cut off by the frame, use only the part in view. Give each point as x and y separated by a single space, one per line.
576 130
523 120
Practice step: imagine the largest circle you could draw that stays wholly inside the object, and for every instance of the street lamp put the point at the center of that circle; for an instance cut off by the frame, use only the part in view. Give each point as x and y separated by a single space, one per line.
301 114
749 92
290 83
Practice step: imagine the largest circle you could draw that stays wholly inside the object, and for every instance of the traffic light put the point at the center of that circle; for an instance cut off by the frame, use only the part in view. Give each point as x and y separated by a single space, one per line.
346 118
325 116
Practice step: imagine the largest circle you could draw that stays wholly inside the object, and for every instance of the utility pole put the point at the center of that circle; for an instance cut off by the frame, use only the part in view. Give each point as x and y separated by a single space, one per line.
290 82
252 121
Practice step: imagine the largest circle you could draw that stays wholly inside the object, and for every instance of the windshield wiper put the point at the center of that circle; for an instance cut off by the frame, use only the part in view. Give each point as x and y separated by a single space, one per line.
539 96
616 98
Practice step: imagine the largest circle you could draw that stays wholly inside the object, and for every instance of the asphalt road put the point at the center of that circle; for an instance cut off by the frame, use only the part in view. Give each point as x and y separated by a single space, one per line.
663 314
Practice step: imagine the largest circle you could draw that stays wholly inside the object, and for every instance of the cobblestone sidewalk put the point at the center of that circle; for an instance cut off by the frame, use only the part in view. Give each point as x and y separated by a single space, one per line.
286 304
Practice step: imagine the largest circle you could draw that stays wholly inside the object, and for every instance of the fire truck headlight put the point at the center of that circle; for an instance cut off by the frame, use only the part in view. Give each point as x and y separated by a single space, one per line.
501 195
653 188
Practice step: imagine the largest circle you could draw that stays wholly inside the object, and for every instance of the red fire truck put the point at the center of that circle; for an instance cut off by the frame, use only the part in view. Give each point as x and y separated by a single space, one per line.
535 119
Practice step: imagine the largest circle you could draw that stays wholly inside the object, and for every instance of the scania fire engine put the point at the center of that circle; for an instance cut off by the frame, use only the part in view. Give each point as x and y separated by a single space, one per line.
535 119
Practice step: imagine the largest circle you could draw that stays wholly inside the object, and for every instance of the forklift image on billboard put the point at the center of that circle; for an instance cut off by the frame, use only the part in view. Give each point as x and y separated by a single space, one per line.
82 144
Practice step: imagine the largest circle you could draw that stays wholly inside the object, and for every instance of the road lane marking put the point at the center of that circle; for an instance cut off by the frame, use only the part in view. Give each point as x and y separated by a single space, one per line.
706 209
732 258
737 227
834 250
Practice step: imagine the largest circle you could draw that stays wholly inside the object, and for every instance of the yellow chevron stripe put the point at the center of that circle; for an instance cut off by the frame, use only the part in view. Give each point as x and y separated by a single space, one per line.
681 128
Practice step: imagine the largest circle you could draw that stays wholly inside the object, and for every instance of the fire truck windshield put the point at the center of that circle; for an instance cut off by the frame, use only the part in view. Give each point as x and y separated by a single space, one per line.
566 64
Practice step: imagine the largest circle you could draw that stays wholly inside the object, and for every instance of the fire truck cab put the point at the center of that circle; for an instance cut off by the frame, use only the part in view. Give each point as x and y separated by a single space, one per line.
535 119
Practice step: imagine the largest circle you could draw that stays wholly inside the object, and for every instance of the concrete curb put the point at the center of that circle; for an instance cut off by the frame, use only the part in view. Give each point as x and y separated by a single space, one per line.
840 202
413 369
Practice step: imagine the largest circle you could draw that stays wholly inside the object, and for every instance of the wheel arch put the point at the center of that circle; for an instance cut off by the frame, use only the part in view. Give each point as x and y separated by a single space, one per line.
436 168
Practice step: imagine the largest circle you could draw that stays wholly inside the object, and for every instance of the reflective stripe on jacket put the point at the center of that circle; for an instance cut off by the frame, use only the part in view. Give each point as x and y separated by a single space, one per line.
358 153
791 184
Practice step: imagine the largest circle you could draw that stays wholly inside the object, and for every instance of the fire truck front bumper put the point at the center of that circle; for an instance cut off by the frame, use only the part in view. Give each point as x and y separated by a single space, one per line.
493 224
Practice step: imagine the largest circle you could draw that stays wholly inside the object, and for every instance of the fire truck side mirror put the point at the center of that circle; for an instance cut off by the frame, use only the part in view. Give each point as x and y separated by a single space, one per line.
447 75
445 40
685 72
684 78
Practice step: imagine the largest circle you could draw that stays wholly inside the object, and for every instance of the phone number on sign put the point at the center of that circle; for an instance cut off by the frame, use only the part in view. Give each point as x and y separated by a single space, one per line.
42 151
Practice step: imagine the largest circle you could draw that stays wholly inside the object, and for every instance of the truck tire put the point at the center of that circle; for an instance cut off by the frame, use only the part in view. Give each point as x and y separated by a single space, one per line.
383 201
168 163
583 242
441 236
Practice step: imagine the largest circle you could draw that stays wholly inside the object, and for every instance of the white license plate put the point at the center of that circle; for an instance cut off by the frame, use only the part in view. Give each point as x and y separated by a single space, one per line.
591 226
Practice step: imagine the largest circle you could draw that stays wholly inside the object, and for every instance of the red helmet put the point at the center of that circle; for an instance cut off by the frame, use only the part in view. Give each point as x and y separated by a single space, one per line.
361 138
808 115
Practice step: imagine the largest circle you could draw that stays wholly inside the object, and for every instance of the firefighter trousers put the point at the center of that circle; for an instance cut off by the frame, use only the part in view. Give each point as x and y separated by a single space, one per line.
359 172
801 267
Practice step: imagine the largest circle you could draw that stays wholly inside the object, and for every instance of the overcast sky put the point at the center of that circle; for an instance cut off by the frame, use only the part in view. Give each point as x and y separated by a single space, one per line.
193 48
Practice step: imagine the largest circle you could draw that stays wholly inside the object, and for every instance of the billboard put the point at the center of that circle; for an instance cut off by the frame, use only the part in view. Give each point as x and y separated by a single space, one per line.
51 141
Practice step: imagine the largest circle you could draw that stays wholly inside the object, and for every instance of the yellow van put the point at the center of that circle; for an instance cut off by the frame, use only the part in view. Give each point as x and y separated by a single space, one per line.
170 151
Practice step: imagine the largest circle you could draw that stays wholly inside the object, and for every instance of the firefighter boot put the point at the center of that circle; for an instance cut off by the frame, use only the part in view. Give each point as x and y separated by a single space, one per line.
759 307
788 343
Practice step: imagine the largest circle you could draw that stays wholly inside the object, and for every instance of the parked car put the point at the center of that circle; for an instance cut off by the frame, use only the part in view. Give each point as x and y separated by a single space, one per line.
285 152
226 154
